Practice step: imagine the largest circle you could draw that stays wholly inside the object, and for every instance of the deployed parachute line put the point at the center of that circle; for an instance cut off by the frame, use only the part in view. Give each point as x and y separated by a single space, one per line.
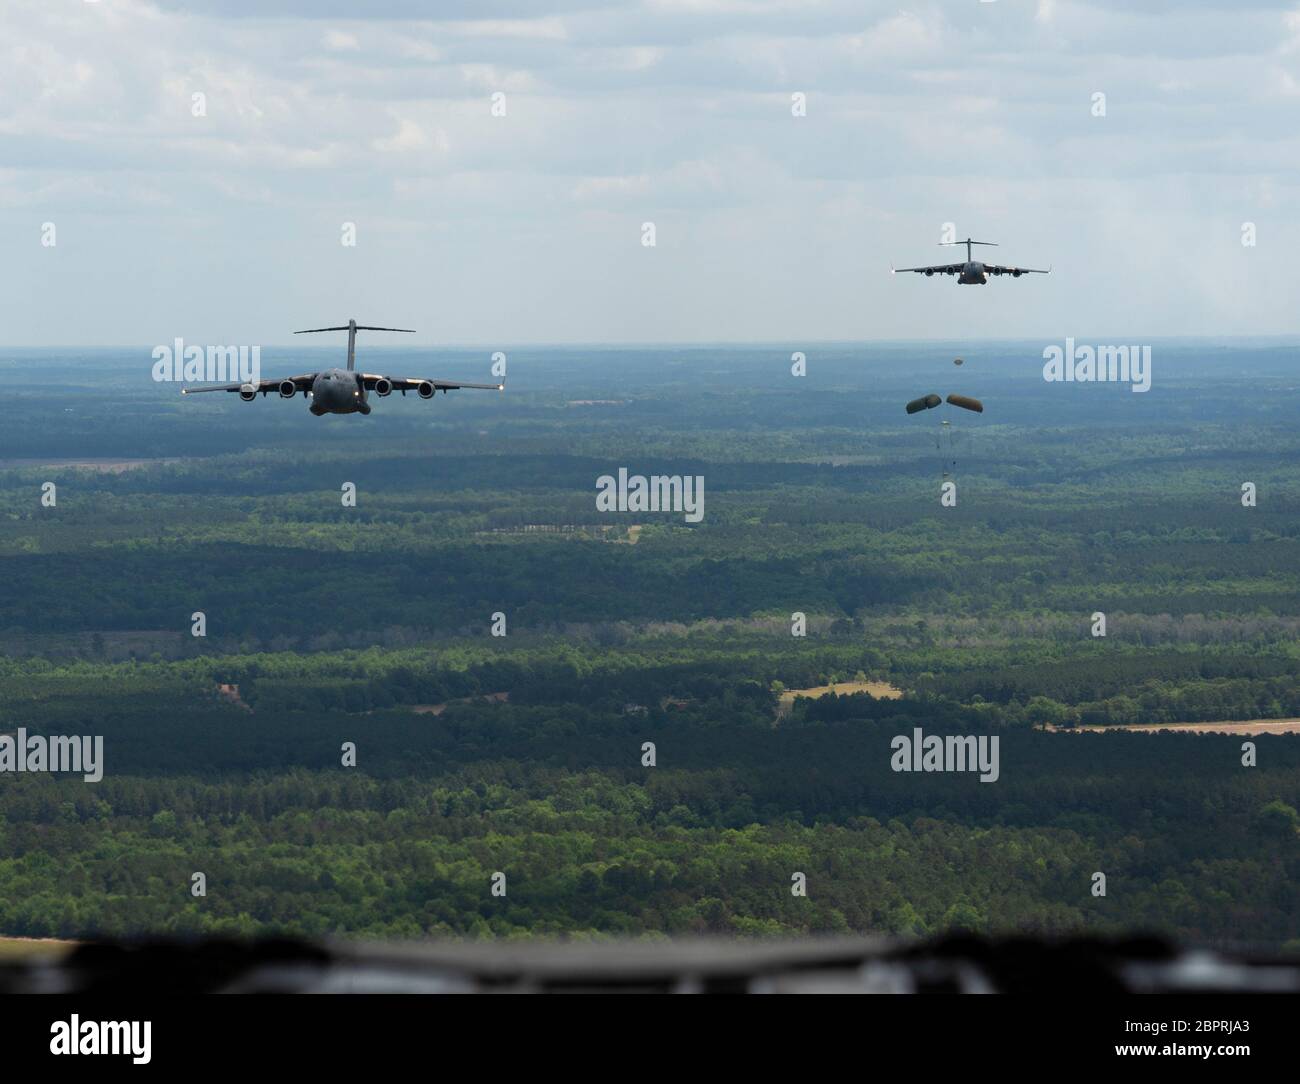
946 437
944 441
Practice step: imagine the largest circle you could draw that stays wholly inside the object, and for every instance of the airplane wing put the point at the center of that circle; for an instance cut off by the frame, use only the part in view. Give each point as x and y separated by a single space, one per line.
302 381
412 383
937 269
998 269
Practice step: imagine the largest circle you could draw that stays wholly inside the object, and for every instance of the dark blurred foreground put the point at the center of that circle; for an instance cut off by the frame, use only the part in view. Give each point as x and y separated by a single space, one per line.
956 964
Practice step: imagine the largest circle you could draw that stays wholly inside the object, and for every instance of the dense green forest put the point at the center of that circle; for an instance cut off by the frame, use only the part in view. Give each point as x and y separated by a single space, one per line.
373 626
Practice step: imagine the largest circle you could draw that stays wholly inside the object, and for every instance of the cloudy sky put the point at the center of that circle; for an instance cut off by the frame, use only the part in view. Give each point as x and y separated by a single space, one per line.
527 228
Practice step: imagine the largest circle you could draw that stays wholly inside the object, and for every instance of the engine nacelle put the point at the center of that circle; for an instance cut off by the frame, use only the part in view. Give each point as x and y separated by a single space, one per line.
426 389
928 274
288 389
1017 273
383 387
248 392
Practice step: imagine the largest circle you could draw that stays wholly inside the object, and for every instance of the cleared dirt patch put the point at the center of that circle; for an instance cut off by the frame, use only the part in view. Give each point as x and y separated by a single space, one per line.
12 948
1246 727
881 690
438 709
231 693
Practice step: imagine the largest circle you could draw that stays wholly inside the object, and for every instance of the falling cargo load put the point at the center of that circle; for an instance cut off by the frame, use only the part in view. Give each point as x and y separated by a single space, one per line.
946 436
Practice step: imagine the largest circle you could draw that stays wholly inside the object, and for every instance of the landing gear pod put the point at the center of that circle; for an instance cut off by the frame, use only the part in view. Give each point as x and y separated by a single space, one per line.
926 402
966 403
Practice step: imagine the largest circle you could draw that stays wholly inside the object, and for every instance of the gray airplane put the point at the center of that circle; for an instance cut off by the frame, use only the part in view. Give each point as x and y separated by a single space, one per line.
972 272
343 391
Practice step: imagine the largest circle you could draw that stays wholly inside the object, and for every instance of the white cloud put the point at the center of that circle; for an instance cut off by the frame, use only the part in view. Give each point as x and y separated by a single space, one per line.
339 42
670 110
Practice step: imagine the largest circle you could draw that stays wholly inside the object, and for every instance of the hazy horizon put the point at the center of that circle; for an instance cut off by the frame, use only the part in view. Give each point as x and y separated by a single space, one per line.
366 345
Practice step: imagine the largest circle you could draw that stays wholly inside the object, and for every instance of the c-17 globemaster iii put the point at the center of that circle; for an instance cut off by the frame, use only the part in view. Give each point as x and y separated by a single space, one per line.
343 391
973 272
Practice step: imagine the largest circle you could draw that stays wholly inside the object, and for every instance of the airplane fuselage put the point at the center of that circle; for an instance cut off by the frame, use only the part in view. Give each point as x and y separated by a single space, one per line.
972 274
338 391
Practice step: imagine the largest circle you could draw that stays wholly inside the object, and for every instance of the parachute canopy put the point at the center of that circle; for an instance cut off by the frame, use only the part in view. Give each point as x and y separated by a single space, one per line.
926 402
966 403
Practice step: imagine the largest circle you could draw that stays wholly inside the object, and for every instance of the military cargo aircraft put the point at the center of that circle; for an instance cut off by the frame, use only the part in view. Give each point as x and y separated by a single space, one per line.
344 391
973 272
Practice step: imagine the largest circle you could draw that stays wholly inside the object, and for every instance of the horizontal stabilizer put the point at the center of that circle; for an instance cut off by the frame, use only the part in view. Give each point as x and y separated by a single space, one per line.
359 327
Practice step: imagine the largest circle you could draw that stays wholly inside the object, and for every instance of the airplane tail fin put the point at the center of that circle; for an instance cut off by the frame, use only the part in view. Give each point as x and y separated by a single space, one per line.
968 242
352 327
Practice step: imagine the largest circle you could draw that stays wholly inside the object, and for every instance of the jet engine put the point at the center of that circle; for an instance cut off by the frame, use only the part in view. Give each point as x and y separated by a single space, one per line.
287 389
426 389
248 392
383 387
